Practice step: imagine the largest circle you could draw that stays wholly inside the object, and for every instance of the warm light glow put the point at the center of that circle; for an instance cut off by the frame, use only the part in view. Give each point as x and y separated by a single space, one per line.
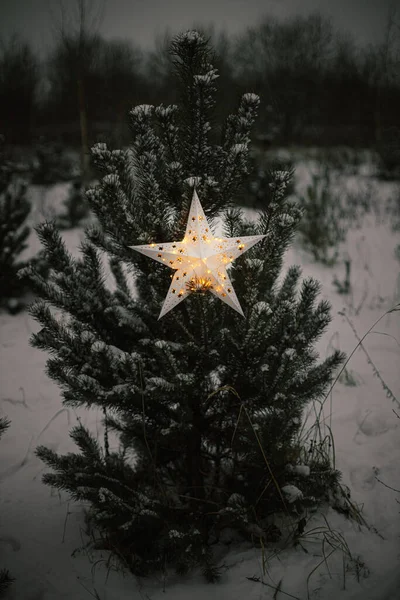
199 261
199 284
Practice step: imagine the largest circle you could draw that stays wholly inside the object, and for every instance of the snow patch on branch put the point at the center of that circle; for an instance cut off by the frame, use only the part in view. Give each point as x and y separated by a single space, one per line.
191 36
249 97
193 181
159 383
175 165
262 307
286 220
142 110
239 149
303 470
290 353
173 533
207 78
111 179
165 111
292 493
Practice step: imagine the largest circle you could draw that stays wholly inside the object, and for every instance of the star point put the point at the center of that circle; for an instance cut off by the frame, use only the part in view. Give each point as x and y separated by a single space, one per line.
199 260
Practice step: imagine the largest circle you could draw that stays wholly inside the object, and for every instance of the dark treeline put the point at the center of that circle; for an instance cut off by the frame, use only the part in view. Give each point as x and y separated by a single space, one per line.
317 86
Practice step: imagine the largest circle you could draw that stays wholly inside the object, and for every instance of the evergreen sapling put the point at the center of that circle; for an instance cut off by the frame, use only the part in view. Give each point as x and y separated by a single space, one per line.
51 164
5 577
207 404
323 226
14 210
76 208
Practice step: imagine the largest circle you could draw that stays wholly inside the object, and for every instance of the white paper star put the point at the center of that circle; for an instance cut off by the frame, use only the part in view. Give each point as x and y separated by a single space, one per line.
199 260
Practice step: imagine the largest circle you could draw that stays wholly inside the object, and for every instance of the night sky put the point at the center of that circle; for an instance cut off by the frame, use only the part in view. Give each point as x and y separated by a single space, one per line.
141 20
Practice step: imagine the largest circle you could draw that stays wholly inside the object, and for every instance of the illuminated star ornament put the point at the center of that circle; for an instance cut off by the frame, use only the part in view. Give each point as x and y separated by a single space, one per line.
199 260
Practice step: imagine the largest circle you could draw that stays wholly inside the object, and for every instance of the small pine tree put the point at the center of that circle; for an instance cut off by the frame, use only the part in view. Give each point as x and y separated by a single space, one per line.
52 165
208 404
5 577
14 210
389 154
76 207
4 424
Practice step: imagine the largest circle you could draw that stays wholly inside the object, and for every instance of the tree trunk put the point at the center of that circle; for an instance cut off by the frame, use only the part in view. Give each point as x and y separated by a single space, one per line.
85 157
194 462
378 118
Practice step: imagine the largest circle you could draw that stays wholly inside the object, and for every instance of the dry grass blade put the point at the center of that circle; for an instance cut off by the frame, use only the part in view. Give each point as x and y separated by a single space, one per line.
394 309
360 344
243 408
325 559
276 588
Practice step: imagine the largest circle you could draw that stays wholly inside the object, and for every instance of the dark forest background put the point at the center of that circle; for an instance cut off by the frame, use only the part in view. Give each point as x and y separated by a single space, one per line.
317 86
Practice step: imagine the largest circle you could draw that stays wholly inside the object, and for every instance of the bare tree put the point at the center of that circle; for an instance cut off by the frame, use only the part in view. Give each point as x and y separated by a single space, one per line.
284 62
124 84
77 29
382 61
159 71
19 77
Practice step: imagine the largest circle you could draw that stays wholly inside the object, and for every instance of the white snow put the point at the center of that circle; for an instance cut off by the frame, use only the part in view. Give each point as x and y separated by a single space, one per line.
292 493
40 529
303 470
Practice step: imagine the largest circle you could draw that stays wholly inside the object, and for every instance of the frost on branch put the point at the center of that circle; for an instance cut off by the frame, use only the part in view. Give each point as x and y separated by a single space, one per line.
142 111
207 78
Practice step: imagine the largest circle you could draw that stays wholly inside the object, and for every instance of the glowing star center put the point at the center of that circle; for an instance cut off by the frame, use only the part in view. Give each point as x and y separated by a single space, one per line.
199 284
199 260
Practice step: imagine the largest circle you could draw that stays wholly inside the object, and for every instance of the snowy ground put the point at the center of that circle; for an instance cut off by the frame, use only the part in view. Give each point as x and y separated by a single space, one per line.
39 530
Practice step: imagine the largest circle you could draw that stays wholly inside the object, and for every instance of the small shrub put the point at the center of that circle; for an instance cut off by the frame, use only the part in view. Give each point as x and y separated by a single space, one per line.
344 287
343 159
5 577
52 165
5 580
76 207
393 209
322 227
14 232
14 210
389 153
